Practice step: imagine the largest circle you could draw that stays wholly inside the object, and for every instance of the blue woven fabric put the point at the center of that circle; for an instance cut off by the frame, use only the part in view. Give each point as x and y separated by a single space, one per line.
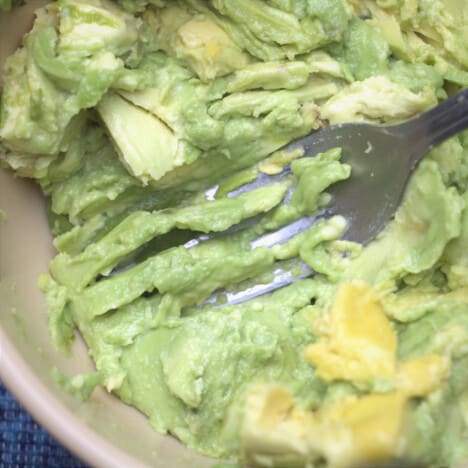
23 443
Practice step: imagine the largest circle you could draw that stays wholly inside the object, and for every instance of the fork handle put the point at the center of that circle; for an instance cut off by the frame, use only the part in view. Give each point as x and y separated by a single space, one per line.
434 126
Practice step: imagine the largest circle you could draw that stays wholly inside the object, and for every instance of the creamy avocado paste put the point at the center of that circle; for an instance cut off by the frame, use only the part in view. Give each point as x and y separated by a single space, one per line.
125 112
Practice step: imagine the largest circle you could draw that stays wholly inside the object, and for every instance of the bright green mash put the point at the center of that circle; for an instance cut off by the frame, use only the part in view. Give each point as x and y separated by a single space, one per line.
125 111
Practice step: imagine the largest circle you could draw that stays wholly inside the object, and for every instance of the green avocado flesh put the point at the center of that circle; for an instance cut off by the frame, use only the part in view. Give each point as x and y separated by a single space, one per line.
125 112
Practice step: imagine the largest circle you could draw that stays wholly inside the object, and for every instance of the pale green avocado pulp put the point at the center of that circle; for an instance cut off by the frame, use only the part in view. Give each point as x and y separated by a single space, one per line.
126 111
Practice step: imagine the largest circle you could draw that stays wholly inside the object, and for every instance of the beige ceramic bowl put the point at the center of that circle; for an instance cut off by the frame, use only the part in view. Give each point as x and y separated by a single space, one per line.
102 431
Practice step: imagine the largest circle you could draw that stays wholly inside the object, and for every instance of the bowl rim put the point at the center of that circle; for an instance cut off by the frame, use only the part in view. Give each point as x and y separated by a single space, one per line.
33 395
53 416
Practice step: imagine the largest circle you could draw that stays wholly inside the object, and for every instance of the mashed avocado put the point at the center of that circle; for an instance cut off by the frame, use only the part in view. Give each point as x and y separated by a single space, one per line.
125 112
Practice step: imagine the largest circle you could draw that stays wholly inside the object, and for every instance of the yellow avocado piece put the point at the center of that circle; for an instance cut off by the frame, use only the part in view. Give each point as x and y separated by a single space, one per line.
370 427
272 427
346 433
420 376
361 344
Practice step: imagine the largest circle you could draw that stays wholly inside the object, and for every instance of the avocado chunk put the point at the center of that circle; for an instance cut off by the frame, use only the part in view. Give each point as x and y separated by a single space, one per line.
147 147
200 42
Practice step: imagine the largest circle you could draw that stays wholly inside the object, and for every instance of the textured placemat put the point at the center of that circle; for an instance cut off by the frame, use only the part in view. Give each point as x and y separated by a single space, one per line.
23 443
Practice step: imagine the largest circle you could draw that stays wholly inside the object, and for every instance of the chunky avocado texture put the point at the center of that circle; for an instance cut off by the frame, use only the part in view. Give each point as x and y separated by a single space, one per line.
125 112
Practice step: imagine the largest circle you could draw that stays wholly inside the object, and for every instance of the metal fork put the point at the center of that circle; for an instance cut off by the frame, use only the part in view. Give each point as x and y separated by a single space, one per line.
382 159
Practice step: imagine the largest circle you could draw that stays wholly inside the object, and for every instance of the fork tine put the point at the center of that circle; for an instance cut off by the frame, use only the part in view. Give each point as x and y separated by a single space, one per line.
281 277
285 233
